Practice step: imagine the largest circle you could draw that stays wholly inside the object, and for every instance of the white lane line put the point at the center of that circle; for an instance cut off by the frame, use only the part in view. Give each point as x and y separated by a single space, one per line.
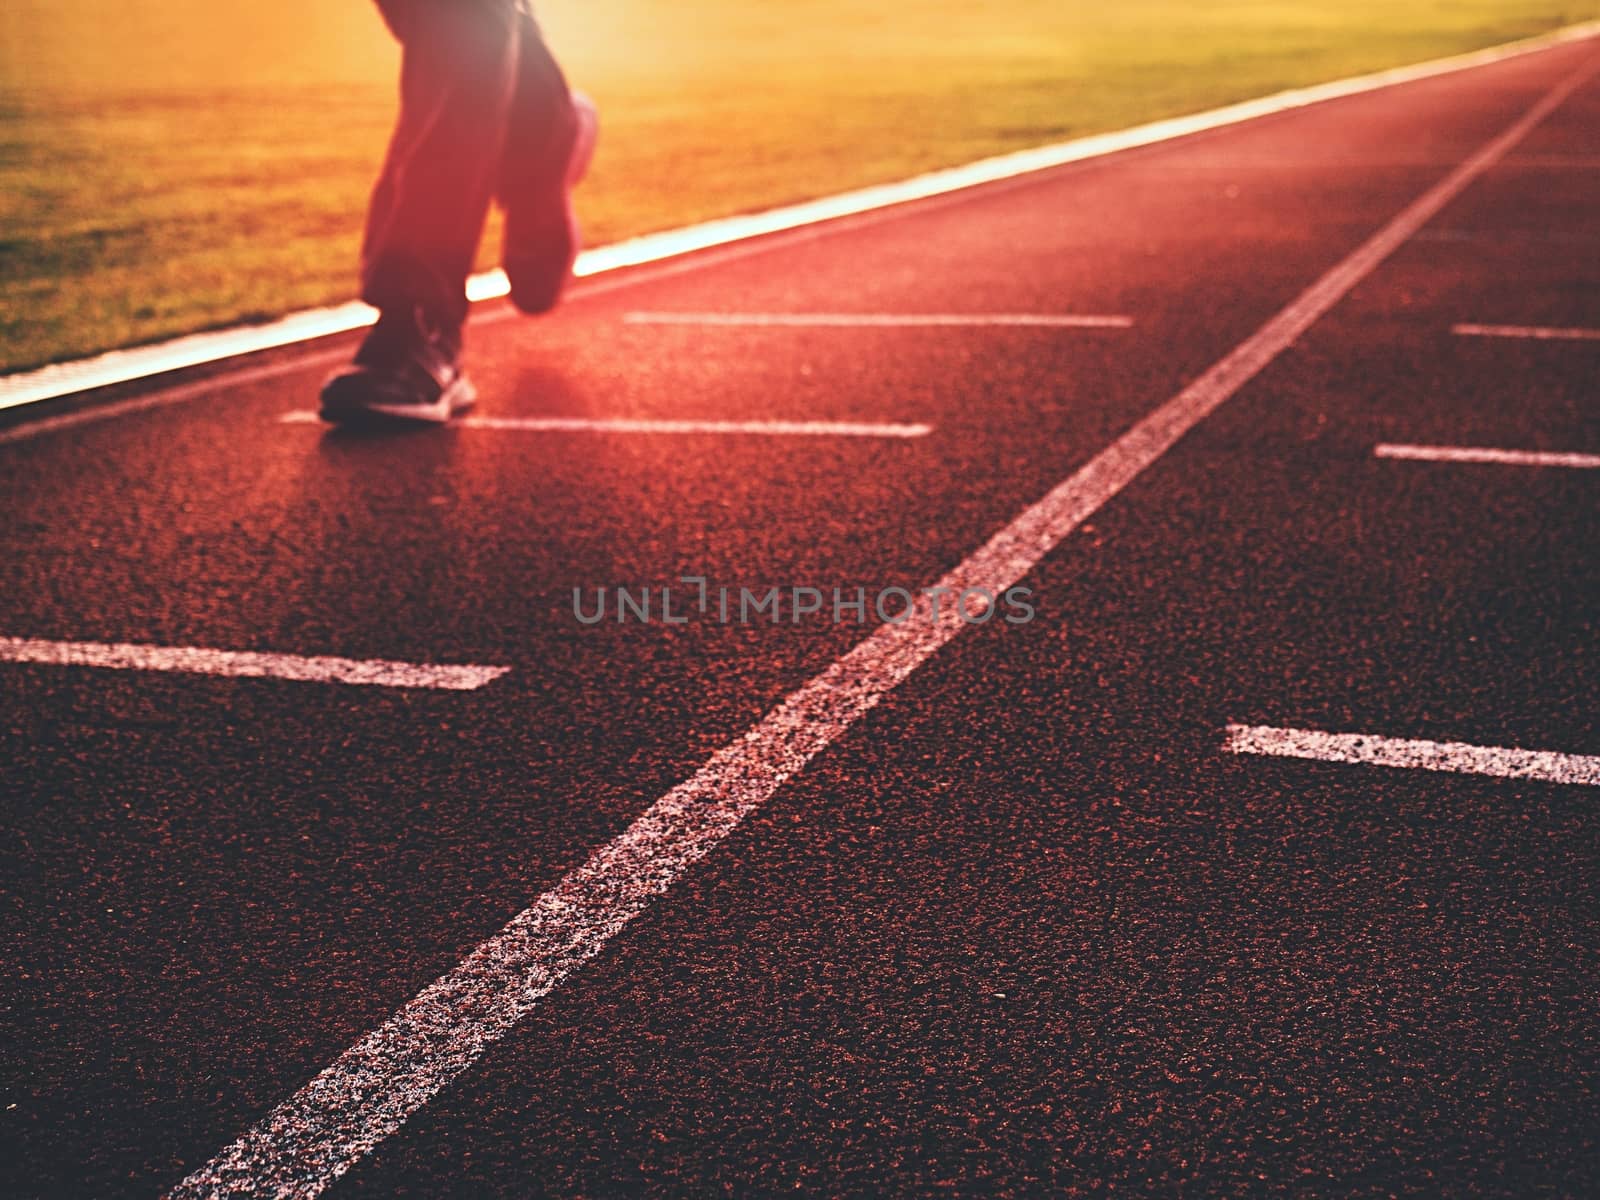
639 425
1373 750
248 664
124 366
879 320
1483 454
192 350
1536 332
190 391
316 1135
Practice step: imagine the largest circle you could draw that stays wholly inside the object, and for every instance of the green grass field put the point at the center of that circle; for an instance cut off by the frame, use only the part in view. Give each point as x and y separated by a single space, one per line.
171 165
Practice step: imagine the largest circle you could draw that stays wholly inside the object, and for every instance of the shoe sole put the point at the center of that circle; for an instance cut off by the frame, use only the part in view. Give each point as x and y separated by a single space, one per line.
584 143
455 399
578 161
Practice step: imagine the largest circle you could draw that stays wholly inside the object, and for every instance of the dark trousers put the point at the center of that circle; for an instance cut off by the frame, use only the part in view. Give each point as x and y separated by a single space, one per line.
483 107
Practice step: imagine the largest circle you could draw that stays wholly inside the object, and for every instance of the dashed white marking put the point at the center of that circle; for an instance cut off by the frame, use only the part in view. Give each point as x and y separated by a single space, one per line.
316 1135
124 366
248 664
1537 332
632 425
1483 454
880 320
1372 750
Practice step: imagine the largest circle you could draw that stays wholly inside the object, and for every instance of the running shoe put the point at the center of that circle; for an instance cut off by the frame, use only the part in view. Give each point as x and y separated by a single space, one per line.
406 370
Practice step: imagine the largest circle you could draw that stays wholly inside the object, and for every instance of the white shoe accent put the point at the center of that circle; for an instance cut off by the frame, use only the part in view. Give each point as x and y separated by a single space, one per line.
456 397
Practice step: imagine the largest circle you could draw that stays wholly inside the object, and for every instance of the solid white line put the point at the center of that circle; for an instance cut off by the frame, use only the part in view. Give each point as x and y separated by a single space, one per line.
248 664
192 350
878 320
190 391
1476 454
1539 333
123 366
1416 755
314 1136
642 425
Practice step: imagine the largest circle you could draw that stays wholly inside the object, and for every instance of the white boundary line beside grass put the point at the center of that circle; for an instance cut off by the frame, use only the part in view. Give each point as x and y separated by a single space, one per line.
142 362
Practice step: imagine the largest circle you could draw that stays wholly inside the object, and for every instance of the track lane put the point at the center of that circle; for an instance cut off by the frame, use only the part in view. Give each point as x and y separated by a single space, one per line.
963 513
1027 928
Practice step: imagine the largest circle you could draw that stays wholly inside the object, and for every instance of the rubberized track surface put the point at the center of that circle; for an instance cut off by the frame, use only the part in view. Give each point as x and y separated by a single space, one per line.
1025 926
